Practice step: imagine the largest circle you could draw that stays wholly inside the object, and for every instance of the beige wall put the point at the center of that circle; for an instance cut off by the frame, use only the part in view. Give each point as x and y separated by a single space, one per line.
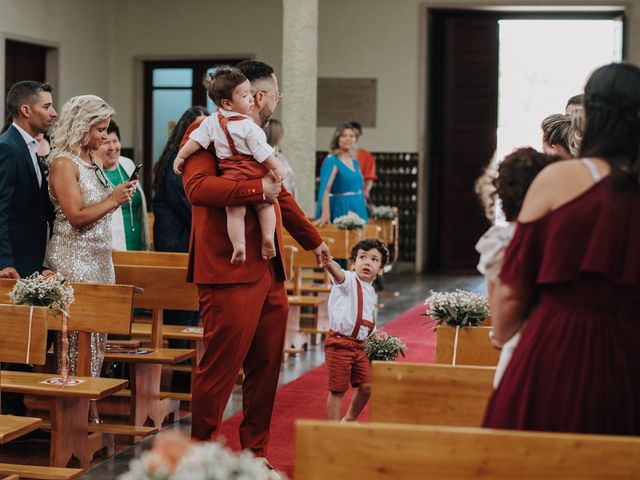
72 26
166 29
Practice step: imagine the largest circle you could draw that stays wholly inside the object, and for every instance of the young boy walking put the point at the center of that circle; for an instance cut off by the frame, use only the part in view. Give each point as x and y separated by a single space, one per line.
352 312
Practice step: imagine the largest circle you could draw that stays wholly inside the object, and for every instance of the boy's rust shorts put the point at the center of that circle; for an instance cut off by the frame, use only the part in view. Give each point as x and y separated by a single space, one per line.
346 362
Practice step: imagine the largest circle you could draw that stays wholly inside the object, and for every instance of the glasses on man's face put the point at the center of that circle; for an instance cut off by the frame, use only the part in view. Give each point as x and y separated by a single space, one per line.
101 176
276 95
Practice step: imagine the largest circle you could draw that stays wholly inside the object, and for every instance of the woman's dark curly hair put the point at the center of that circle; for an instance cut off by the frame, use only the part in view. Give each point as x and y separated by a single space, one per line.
173 145
515 174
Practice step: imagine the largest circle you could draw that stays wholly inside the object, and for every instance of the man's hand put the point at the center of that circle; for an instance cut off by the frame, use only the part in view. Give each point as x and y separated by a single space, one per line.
323 256
9 272
271 188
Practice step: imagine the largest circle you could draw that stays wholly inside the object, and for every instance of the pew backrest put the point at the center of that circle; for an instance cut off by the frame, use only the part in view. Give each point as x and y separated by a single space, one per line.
157 259
427 394
465 346
377 451
23 334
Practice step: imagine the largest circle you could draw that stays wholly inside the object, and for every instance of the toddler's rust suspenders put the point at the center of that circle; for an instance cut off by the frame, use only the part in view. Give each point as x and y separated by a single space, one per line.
359 320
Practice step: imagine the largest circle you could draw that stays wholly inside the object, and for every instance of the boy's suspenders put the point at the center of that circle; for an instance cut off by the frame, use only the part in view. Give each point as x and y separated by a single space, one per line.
359 320
235 155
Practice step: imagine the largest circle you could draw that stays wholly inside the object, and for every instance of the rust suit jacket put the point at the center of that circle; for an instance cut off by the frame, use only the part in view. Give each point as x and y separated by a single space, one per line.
209 247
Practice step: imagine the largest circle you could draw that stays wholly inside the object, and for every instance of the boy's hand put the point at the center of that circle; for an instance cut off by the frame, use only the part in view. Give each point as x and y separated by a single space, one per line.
177 165
323 256
279 173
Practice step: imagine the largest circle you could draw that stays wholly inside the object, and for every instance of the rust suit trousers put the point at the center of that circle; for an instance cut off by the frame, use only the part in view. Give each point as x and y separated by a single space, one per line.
244 326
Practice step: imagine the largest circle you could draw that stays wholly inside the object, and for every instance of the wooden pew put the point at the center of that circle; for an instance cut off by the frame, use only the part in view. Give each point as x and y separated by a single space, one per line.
425 394
376 451
34 471
69 406
153 259
472 347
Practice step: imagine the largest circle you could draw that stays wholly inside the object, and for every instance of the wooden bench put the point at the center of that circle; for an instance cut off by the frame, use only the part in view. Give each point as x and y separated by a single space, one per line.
379 451
424 394
69 409
87 314
471 347
151 259
37 472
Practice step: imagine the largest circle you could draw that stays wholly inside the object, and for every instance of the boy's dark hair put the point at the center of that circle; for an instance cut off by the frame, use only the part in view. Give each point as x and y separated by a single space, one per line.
515 174
557 130
113 128
222 82
368 244
22 93
255 70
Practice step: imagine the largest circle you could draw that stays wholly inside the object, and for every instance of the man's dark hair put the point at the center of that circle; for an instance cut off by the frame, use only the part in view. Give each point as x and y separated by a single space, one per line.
113 128
515 174
22 93
575 100
369 244
356 126
255 70
222 82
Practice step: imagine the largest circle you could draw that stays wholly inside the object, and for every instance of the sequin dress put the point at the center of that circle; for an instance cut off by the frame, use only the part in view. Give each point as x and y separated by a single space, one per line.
83 254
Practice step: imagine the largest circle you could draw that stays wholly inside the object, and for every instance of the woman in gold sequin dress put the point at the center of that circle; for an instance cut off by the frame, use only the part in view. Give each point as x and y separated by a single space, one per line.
83 199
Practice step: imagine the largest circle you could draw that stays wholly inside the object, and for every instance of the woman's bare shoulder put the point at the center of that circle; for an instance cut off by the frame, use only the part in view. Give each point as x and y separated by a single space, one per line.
557 184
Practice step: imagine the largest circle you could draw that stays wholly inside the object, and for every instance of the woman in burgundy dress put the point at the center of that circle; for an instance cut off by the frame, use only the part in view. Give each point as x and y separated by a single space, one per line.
573 272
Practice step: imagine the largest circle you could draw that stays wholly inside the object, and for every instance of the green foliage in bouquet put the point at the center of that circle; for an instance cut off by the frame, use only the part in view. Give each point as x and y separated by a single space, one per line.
457 309
382 346
37 291
383 212
349 222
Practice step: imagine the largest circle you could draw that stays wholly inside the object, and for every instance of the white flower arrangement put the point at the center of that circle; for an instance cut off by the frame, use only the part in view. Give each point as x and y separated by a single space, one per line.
383 212
385 347
457 309
349 222
174 457
40 291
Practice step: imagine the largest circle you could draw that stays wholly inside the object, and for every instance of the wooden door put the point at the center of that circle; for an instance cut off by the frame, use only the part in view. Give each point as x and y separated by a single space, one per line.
24 61
463 122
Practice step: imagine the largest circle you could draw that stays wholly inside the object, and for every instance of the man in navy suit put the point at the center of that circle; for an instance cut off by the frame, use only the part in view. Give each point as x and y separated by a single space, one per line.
26 212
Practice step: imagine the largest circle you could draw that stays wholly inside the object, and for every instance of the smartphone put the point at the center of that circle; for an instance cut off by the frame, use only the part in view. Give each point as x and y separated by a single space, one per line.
134 174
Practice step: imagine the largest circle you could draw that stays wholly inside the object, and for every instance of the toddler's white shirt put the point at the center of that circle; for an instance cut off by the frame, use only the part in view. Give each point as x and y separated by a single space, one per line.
248 137
343 305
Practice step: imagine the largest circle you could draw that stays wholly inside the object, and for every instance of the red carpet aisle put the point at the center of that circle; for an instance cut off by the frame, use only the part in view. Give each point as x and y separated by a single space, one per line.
305 397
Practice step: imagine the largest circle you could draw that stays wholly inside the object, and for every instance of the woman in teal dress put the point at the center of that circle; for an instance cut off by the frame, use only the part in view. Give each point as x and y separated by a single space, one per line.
341 182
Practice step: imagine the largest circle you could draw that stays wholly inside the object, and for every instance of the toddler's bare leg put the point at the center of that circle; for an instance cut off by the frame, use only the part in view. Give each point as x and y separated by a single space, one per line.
358 402
235 230
267 218
334 402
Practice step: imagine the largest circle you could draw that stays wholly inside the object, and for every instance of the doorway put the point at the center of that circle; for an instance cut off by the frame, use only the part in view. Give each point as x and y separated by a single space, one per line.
493 76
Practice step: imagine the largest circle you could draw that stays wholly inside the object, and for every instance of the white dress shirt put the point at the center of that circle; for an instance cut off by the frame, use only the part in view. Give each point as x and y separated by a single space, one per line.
32 145
343 305
247 136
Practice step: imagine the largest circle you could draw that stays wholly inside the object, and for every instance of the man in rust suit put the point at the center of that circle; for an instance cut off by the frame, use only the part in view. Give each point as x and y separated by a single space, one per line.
244 307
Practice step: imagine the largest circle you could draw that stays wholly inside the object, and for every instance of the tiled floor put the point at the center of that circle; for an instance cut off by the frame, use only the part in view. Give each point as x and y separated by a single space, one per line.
412 288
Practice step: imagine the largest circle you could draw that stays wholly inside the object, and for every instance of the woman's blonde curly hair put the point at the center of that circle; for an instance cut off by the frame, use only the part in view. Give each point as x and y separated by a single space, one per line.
72 128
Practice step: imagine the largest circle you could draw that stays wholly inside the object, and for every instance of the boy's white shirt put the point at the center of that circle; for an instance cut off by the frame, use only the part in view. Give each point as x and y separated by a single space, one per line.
248 137
343 305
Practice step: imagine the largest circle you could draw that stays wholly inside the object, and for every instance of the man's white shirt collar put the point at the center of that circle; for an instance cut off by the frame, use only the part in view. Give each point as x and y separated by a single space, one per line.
28 139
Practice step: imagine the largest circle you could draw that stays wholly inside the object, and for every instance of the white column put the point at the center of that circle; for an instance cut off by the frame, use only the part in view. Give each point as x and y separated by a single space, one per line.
299 86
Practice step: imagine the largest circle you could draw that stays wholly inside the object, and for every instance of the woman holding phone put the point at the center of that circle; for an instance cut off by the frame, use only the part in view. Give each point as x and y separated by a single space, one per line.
83 200
129 223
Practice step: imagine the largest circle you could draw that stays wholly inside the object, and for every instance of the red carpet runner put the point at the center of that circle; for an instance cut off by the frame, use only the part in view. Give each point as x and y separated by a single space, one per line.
306 396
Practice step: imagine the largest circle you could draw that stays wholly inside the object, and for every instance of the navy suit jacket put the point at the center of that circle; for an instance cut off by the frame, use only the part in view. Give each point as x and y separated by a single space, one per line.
25 208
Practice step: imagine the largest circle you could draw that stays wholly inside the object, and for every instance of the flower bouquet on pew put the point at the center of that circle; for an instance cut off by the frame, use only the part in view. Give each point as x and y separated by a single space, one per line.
457 309
385 347
49 291
175 456
383 212
350 221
